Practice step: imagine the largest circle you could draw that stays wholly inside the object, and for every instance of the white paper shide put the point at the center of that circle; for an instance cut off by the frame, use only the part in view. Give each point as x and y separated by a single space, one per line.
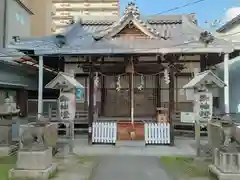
67 106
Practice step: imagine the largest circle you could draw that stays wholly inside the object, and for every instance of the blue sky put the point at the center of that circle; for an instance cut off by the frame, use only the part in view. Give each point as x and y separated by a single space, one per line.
207 10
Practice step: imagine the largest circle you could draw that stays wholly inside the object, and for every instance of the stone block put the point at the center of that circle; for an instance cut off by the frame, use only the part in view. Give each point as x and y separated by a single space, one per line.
227 162
34 160
5 133
4 150
223 176
15 174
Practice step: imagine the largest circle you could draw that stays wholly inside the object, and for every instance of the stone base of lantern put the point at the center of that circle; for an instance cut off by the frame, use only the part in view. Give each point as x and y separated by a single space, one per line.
5 151
226 165
223 176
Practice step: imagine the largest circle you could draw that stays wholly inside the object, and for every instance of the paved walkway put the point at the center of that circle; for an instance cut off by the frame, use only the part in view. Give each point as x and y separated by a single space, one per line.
130 168
72 167
181 147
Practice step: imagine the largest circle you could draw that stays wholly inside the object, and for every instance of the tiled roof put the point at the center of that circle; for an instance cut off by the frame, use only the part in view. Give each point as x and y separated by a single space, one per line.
229 24
165 29
9 55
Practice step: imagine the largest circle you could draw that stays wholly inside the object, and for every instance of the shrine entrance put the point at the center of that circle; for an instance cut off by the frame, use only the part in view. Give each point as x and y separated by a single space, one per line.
118 101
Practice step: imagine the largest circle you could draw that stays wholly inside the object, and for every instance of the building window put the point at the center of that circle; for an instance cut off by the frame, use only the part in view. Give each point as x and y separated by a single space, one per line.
22 20
18 17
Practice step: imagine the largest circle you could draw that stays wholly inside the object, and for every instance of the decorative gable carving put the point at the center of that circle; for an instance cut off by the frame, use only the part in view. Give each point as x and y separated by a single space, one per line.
131 30
131 18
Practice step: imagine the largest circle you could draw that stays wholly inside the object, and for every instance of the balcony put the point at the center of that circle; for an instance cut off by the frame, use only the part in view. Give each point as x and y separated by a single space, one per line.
53 28
53 10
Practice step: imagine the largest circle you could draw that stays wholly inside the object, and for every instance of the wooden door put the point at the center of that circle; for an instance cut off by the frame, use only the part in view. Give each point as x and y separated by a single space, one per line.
125 127
144 99
117 103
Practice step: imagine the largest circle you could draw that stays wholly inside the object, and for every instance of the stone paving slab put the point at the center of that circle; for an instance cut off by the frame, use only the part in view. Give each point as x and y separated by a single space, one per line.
130 168
181 147
70 168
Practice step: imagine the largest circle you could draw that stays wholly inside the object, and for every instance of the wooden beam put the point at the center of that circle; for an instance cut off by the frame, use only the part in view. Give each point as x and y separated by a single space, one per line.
137 61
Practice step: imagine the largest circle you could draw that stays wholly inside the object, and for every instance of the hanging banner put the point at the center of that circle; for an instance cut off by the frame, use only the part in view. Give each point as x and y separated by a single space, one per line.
79 94
203 106
67 106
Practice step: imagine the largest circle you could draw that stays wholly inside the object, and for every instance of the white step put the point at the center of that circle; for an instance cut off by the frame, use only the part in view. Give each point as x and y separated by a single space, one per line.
130 143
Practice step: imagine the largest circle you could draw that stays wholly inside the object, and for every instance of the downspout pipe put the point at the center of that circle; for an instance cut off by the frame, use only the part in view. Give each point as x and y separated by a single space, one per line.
5 24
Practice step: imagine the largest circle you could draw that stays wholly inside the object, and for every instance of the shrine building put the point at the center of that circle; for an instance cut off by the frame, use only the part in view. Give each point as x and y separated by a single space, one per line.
131 68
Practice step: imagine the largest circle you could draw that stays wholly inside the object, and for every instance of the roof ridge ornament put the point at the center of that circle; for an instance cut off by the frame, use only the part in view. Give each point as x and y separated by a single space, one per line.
206 37
60 40
132 9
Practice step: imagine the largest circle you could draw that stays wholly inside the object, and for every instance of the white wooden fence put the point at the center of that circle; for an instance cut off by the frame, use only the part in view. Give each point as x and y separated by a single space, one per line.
104 132
157 133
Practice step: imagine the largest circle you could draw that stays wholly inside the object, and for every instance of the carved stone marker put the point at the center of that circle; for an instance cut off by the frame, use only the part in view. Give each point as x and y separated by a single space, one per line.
34 159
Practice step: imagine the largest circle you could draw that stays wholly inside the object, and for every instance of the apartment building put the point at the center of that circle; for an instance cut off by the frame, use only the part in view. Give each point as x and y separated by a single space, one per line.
41 20
24 18
66 10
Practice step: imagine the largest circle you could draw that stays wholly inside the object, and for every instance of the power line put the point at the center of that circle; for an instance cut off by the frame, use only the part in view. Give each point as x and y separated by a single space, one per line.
182 6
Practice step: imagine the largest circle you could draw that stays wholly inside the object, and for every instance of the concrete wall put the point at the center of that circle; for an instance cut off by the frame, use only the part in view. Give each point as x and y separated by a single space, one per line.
18 21
234 88
232 34
41 21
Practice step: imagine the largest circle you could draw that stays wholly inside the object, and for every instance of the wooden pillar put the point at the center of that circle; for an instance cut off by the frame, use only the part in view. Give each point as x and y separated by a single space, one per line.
103 95
176 92
90 104
171 102
158 90
86 93
22 98
203 62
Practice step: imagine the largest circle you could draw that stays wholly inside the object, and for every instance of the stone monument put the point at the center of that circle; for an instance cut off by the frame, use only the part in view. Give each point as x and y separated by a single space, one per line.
8 111
34 159
226 158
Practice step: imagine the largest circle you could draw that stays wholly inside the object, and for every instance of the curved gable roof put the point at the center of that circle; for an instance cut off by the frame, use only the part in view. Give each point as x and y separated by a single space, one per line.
165 31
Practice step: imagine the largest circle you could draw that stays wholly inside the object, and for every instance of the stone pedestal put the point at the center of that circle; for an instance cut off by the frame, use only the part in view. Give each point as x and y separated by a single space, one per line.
33 165
226 165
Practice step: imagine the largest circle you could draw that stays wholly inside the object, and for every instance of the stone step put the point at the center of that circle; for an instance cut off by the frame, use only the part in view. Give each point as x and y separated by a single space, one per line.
130 143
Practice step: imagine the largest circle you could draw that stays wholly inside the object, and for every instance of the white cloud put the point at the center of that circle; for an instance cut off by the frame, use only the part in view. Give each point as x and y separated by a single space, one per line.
232 13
